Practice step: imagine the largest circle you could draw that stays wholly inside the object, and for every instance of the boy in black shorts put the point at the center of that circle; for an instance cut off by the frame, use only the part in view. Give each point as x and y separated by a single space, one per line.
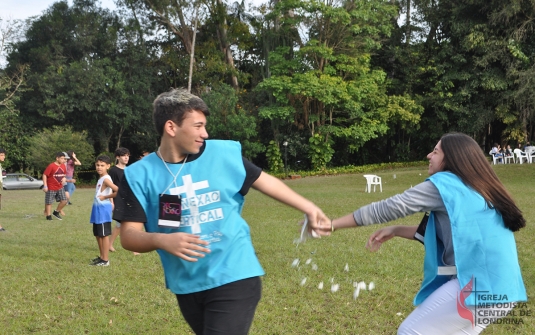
102 209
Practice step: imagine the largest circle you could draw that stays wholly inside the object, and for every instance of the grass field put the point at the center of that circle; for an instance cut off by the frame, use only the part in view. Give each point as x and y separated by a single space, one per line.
47 286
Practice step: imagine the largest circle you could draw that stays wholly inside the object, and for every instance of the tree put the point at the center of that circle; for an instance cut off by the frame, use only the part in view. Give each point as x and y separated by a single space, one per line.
11 80
89 70
327 85
12 83
46 143
229 121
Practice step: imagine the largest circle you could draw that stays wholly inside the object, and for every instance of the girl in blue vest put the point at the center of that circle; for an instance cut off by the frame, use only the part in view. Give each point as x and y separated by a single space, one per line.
471 271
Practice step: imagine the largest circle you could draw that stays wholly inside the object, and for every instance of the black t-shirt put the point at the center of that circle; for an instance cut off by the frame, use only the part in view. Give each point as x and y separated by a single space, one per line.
128 208
116 175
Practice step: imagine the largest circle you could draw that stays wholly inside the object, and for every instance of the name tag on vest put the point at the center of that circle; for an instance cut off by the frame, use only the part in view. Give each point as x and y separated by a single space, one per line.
170 208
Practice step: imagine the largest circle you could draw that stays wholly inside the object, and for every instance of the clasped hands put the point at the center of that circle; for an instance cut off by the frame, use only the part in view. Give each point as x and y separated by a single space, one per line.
319 224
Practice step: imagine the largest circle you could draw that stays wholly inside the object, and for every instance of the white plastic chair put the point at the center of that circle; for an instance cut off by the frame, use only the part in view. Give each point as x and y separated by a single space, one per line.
496 159
530 152
520 156
507 159
374 180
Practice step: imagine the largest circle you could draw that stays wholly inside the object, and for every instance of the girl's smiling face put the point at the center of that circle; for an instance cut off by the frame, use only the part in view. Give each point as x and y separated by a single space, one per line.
436 160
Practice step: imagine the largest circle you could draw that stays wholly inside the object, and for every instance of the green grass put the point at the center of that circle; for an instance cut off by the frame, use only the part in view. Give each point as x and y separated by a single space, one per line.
47 286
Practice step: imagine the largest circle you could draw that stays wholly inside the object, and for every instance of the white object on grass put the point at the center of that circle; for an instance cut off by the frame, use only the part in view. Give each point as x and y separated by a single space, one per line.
371 286
308 261
335 287
314 267
295 263
346 268
303 281
362 285
320 285
356 293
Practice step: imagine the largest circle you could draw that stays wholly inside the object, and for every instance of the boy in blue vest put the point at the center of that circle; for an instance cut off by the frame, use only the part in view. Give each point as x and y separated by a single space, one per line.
185 201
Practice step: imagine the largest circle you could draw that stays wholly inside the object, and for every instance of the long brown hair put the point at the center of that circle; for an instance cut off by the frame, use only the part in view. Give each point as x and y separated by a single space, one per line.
463 157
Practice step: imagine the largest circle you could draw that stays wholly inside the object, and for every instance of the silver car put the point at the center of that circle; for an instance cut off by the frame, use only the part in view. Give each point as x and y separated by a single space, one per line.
21 181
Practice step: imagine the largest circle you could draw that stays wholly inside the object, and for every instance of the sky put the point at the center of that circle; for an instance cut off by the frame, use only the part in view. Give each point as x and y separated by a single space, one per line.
22 9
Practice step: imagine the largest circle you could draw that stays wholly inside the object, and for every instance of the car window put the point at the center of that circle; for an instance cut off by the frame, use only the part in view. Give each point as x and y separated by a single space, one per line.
24 178
10 178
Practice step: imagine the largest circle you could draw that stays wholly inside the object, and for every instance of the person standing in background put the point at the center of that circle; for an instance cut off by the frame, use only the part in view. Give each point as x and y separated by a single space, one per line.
69 186
102 209
122 156
53 179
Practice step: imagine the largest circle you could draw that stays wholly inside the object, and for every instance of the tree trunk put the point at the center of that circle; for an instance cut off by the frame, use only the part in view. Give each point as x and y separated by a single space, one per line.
192 54
182 31
223 41
408 23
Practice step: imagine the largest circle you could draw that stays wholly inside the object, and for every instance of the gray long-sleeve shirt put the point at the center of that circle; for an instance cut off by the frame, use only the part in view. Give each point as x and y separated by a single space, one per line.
424 197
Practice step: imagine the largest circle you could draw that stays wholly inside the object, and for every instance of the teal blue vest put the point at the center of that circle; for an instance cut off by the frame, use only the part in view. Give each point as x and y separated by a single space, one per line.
484 248
211 206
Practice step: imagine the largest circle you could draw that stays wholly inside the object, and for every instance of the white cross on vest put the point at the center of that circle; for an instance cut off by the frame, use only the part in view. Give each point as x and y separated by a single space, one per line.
189 188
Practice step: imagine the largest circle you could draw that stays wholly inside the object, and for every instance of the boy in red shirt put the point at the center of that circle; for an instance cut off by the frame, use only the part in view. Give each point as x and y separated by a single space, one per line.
53 179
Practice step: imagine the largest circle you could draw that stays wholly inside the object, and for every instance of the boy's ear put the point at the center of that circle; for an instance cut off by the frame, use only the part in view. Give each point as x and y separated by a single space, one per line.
170 128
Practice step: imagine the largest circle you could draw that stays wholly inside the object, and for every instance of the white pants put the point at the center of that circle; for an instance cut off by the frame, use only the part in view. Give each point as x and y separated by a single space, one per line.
438 315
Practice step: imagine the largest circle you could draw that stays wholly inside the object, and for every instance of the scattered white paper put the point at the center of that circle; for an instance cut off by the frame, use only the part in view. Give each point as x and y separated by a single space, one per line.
356 293
305 233
362 285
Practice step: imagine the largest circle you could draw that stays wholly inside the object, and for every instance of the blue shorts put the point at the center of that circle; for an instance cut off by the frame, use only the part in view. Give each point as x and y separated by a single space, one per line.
69 187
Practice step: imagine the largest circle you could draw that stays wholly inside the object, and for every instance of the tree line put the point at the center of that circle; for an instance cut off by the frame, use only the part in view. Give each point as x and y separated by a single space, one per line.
338 82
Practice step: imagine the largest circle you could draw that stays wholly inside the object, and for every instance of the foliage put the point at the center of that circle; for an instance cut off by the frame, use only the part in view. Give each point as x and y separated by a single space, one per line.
273 155
320 152
11 80
14 139
45 144
87 71
327 84
352 169
228 120
380 81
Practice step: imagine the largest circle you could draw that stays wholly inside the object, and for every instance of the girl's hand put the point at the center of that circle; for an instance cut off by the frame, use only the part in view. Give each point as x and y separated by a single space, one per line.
379 237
